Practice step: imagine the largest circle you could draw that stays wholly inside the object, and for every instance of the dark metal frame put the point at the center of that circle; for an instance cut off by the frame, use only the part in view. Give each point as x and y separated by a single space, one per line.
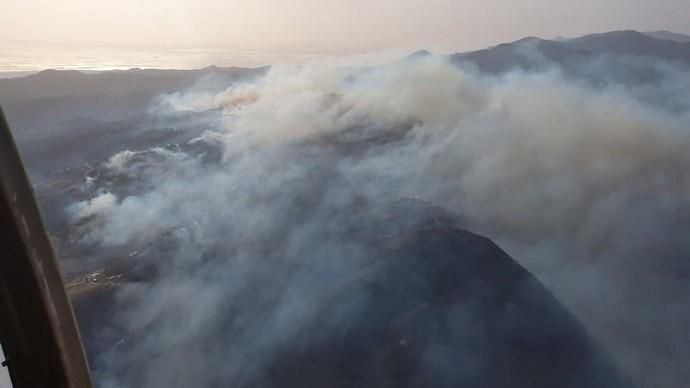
38 331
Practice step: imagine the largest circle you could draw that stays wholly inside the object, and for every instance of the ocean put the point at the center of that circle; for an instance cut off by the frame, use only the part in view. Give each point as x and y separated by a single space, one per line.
20 60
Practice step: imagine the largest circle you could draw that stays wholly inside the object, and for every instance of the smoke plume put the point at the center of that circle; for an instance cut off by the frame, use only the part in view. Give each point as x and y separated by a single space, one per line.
587 184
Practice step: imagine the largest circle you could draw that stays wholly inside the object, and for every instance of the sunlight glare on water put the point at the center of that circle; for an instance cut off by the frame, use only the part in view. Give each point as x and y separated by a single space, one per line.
21 60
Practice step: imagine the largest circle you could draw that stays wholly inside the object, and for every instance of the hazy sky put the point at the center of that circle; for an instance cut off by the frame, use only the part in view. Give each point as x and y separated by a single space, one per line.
325 24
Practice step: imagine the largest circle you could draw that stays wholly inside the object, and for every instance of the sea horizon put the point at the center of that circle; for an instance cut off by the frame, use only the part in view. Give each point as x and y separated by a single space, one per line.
23 60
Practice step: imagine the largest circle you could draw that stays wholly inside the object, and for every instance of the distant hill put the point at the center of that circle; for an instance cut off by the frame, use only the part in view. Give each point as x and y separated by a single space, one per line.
632 43
535 53
668 35
66 95
527 53
59 83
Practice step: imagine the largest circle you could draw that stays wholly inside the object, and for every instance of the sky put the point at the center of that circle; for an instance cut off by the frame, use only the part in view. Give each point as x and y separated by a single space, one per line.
326 25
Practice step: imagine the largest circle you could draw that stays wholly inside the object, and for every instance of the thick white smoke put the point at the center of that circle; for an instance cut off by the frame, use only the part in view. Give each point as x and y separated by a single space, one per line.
587 186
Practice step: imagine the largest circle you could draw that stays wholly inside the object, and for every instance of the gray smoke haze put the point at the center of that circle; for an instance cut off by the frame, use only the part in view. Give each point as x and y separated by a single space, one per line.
587 184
